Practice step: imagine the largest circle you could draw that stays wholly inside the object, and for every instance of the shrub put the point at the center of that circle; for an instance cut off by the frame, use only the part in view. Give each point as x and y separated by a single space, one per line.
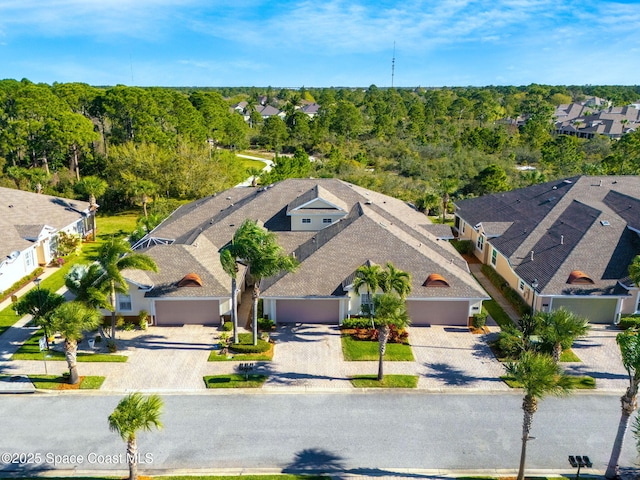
371 334
464 247
266 324
629 321
246 345
509 293
480 319
356 322
227 326
143 318
510 343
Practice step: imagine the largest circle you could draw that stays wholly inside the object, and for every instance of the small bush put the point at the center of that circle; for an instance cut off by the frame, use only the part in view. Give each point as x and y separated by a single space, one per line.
480 319
227 326
509 293
129 327
246 345
266 324
464 247
629 321
371 334
356 322
111 345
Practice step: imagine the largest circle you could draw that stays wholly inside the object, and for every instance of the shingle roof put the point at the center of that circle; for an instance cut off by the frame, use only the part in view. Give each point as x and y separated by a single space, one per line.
23 215
582 225
387 226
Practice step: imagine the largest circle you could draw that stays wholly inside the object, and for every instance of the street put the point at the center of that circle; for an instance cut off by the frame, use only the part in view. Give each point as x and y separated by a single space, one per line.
332 432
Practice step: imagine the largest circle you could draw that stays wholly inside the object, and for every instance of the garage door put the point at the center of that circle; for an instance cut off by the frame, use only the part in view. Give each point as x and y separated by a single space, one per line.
597 310
438 312
308 311
181 312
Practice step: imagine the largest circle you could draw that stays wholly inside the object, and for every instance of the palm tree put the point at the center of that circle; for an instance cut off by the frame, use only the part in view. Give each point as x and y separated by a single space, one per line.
93 187
71 319
40 303
390 309
393 279
634 271
260 249
242 246
560 328
629 343
135 412
539 376
115 256
83 281
368 275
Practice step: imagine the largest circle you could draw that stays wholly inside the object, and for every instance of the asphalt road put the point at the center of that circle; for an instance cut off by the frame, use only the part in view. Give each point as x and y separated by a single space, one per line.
356 433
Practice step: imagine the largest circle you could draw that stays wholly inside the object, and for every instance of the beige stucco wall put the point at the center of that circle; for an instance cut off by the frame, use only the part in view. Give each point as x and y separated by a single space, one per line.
630 304
316 221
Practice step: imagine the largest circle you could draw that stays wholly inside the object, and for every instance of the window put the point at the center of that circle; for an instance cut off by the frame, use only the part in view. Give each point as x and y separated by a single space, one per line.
480 242
28 260
124 302
306 220
366 303
463 224
494 257
326 220
521 285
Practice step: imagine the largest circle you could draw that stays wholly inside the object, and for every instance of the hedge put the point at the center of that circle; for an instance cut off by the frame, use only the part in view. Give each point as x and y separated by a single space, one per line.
629 321
514 298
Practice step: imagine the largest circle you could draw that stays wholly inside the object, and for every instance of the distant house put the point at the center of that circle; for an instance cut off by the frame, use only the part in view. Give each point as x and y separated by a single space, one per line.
566 243
331 227
30 223
310 109
586 122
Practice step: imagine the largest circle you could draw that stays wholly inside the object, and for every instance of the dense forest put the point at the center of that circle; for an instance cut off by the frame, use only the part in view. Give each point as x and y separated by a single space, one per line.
133 146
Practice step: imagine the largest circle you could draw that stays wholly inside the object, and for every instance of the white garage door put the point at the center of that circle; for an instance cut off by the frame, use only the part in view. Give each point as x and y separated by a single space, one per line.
308 311
438 312
181 312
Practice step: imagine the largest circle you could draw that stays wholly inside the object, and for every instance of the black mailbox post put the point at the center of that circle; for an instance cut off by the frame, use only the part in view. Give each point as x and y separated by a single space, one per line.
579 461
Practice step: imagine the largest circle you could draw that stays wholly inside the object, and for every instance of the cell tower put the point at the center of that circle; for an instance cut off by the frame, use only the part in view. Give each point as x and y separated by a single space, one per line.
393 63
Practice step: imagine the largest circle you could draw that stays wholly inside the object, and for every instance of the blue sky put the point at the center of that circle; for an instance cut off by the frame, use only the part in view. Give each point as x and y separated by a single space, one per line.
318 43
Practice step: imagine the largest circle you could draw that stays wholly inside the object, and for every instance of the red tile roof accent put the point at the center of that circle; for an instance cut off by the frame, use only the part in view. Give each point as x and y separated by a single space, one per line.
579 278
190 280
435 280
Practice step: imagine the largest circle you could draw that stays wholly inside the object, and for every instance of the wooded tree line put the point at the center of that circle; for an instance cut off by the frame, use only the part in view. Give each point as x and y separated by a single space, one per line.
417 144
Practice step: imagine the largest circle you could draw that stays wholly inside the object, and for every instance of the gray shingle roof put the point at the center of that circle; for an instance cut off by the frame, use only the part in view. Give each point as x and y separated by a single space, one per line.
23 213
384 228
582 225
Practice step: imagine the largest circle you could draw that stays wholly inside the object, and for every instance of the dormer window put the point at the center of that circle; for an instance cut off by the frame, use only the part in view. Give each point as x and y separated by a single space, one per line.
435 280
579 278
190 280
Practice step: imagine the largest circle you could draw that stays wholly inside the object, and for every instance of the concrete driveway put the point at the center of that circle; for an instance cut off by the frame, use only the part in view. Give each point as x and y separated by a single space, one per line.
309 357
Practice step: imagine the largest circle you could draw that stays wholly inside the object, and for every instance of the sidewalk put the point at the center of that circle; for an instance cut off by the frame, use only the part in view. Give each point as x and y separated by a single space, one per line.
476 270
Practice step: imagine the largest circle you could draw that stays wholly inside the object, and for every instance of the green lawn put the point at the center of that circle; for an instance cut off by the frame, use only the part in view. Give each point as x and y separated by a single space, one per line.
569 356
30 350
497 313
119 224
579 383
388 381
55 382
360 350
216 356
247 164
235 380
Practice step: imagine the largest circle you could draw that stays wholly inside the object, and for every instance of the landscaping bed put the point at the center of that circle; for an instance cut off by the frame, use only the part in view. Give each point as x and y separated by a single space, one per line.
61 382
388 381
30 350
235 380
359 346
243 351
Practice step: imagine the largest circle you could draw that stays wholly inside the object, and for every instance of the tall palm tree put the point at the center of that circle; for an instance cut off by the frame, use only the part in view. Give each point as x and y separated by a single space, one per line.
242 246
539 376
390 309
560 328
629 343
114 256
83 281
40 303
71 319
264 257
93 187
133 413
368 275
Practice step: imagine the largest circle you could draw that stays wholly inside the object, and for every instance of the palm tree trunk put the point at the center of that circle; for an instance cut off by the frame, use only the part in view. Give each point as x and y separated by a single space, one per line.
132 458
529 406
112 299
383 336
254 315
71 353
557 351
234 309
628 404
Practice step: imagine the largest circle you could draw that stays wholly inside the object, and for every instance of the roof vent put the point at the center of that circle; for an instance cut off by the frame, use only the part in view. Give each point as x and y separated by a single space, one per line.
567 181
604 223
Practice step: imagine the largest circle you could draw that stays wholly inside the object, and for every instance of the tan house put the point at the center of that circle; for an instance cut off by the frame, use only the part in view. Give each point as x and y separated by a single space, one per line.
566 243
331 227
30 223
